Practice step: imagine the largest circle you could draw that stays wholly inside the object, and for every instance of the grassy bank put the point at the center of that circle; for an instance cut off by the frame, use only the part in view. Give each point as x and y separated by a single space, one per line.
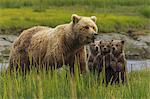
12 20
113 15
47 3
44 85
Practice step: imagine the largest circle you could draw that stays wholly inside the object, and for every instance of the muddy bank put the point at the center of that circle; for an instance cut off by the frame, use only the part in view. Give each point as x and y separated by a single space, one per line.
136 48
5 43
12 31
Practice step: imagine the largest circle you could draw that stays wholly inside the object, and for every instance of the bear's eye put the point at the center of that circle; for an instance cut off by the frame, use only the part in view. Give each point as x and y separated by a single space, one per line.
93 28
86 27
117 45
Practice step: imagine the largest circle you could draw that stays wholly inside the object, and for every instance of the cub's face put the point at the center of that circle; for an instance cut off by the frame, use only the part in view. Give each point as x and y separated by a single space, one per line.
94 47
105 46
117 46
85 28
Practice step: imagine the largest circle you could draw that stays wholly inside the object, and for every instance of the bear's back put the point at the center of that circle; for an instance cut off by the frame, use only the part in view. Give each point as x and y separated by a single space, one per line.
24 39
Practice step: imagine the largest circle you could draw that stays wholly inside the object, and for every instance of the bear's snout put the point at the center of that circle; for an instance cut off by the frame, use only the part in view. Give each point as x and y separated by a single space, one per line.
104 48
95 33
113 48
96 48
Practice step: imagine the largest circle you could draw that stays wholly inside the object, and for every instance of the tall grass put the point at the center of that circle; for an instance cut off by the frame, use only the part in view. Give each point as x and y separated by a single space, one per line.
44 85
48 3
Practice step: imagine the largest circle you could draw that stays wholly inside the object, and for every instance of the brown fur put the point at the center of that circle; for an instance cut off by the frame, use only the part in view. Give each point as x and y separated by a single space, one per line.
113 58
54 47
104 58
94 50
118 64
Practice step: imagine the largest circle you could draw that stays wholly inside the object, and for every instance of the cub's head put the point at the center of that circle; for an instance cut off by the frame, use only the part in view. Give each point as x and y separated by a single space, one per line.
105 46
117 46
94 47
85 28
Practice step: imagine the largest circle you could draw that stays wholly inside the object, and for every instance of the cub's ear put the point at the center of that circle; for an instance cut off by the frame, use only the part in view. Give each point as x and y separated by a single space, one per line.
122 41
111 41
93 18
75 18
100 42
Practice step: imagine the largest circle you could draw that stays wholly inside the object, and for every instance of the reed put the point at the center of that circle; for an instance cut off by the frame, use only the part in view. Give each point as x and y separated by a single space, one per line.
45 85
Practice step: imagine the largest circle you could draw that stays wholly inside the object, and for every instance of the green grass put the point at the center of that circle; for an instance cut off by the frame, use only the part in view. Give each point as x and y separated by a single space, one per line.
145 11
44 86
13 19
48 3
113 15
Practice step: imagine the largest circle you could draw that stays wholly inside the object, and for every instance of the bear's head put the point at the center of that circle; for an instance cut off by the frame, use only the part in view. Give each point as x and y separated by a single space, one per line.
117 47
84 28
94 48
105 46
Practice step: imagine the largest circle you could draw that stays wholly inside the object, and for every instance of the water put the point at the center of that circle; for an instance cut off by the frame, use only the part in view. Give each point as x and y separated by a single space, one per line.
132 65
3 66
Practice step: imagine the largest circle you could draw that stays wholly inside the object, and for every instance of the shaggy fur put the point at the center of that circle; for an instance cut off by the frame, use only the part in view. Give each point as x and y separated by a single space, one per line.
53 47
118 64
113 58
94 50
104 58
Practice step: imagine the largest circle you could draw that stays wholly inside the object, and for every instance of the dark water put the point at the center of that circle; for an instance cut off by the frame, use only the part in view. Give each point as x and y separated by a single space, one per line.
132 65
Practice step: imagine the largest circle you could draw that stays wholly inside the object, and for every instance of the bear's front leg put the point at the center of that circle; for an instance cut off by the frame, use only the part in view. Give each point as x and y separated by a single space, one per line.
81 57
71 63
113 65
109 73
90 66
120 67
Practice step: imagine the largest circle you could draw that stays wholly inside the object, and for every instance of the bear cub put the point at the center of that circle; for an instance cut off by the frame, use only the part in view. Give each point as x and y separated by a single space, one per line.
118 62
112 59
104 57
94 50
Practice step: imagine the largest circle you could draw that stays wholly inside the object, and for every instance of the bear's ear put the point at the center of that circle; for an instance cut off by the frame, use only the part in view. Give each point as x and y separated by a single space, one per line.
100 42
75 18
111 41
93 18
122 41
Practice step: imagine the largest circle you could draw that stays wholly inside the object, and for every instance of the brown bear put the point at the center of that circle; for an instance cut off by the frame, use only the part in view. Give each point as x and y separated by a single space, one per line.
51 48
112 59
118 62
104 58
94 50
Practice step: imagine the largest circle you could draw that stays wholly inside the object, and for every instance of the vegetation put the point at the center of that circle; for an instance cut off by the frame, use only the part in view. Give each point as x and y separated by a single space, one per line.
145 11
113 15
48 3
58 85
26 17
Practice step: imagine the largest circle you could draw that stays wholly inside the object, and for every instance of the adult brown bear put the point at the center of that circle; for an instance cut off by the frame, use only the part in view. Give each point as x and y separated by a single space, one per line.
53 47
